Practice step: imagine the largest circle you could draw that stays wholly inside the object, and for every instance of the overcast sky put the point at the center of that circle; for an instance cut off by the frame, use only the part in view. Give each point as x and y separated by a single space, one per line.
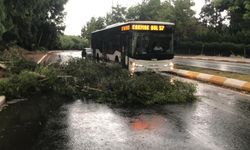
80 11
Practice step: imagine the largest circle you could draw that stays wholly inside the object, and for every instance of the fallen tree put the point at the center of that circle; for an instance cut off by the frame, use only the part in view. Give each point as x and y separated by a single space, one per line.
100 82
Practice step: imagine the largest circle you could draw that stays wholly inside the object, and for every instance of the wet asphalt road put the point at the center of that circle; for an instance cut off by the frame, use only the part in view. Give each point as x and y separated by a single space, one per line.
219 120
217 65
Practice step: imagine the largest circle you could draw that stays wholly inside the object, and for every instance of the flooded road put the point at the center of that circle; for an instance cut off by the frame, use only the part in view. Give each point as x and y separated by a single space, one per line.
219 120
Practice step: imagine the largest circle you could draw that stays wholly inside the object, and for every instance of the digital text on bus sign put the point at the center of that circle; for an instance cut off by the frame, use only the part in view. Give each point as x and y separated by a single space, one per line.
139 27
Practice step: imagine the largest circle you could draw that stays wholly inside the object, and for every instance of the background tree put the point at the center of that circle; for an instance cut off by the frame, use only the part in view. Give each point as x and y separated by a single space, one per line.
238 12
148 10
117 14
212 17
32 24
184 18
92 25
67 42
2 18
133 13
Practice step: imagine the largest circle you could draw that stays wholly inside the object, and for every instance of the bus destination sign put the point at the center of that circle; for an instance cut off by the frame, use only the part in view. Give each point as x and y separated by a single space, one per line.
140 27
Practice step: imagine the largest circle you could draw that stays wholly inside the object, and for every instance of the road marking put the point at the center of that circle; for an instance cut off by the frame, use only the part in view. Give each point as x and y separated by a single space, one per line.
42 59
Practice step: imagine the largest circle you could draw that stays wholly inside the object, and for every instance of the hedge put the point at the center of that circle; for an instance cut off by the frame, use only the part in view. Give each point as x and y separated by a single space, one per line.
213 49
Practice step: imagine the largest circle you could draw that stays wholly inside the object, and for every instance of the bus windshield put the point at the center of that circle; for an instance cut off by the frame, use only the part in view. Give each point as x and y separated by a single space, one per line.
146 43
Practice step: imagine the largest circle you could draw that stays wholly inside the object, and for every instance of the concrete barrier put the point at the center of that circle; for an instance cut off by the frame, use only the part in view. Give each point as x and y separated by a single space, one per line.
2 100
218 80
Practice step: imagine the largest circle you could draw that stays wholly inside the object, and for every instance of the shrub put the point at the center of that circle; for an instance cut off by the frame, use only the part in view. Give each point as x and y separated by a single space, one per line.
112 84
146 89
105 82
16 62
18 86
247 49
213 49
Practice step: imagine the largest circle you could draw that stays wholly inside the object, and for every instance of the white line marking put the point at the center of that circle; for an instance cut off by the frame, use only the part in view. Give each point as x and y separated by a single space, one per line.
42 59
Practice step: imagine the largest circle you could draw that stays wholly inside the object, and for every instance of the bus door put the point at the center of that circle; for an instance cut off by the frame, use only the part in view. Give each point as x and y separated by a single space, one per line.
125 49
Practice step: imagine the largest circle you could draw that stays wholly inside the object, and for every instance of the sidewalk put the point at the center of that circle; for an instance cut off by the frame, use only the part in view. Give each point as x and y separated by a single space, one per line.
217 58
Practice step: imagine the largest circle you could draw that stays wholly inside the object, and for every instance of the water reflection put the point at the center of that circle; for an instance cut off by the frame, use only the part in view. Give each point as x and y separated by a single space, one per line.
84 125
147 122
95 126
21 123
98 126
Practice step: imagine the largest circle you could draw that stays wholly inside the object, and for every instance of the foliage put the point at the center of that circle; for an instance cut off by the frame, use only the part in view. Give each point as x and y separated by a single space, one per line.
16 62
31 23
148 10
113 85
117 14
103 82
2 18
212 17
92 25
19 85
145 89
177 11
213 49
72 42
183 16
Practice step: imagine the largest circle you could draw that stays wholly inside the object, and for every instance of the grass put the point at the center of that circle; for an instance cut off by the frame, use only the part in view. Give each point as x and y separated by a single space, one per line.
233 75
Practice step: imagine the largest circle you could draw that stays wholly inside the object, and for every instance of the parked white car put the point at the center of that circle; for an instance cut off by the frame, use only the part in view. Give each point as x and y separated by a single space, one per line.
87 52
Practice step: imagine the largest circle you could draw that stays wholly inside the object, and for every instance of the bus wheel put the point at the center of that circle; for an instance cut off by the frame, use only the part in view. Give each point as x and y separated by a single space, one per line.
116 59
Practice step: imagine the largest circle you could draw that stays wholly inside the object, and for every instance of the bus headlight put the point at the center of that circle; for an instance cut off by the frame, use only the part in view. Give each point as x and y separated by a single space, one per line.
133 64
171 64
137 65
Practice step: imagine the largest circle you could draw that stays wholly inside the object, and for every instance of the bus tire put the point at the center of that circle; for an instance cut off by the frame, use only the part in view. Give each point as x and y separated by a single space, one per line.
97 57
116 59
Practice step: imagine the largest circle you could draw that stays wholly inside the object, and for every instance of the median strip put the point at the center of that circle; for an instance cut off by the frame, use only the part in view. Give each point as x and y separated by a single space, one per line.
218 80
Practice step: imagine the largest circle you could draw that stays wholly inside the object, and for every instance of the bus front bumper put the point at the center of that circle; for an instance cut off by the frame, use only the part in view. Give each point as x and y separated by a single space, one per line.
151 66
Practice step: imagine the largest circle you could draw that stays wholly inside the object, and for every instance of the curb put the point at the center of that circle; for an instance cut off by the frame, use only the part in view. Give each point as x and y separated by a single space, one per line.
44 56
218 80
223 60
2 100
3 66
